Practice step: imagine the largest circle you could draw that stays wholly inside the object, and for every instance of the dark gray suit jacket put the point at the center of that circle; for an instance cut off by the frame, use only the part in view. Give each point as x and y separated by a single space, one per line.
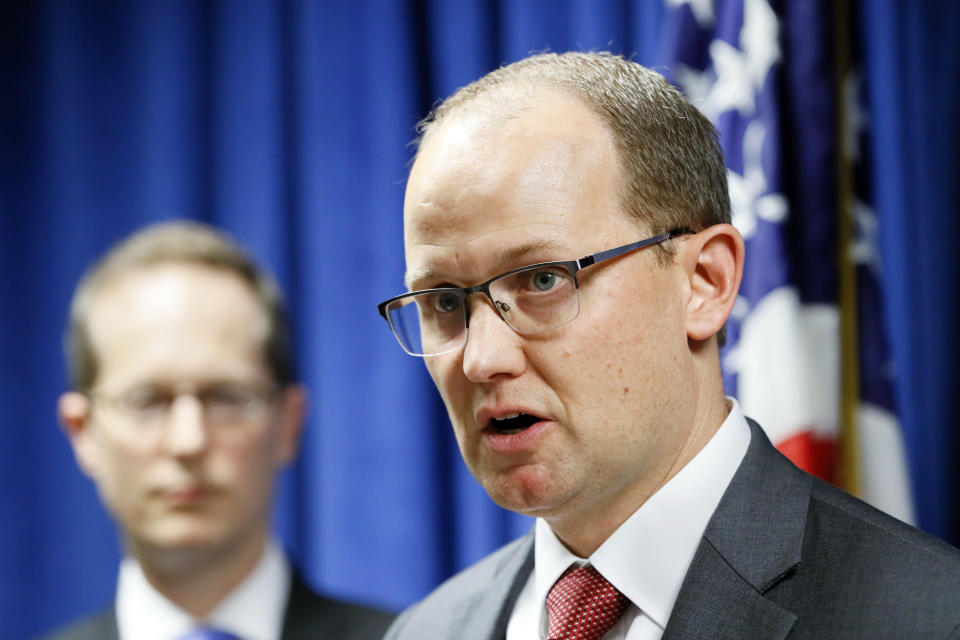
784 556
308 616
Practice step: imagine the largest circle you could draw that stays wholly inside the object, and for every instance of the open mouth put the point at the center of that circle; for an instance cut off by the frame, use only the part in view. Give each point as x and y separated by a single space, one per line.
509 425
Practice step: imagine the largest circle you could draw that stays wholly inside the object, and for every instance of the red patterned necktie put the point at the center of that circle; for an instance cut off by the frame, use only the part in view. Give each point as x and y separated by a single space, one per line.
583 605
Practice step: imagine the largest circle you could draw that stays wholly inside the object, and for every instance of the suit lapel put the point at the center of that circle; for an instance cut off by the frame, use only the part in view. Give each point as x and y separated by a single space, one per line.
752 542
101 626
717 603
485 615
298 616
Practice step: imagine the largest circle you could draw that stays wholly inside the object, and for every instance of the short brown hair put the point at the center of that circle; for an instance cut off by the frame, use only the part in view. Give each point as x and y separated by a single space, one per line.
673 171
175 242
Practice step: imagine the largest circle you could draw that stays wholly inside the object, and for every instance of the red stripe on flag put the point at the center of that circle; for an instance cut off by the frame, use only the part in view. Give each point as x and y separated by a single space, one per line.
812 453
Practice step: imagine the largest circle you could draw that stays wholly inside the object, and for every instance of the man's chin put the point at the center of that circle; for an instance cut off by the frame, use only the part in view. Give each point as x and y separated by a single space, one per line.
529 490
181 535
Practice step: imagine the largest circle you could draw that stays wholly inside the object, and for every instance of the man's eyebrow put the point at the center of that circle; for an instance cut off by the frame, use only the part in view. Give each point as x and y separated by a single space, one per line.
512 255
508 256
417 276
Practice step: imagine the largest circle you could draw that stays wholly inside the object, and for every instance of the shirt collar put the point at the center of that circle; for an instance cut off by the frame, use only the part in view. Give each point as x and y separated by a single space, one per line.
253 610
647 557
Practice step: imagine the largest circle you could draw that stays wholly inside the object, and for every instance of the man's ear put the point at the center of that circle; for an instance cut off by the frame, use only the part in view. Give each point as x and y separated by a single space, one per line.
713 262
73 409
293 411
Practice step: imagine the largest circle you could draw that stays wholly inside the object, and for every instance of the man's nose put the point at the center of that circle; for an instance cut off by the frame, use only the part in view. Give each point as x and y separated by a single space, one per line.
186 432
492 348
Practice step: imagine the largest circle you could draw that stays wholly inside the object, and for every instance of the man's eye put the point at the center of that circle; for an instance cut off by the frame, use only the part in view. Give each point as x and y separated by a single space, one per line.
446 302
547 279
544 280
147 400
226 397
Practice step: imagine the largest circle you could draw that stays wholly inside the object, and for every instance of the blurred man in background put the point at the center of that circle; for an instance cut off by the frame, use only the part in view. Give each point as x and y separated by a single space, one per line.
184 409
570 268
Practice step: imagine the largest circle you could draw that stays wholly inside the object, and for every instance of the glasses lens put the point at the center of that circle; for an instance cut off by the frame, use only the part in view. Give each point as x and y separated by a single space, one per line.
429 323
537 299
221 404
145 404
231 405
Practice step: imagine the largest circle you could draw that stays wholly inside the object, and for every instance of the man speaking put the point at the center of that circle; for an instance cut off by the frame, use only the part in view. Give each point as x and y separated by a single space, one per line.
570 268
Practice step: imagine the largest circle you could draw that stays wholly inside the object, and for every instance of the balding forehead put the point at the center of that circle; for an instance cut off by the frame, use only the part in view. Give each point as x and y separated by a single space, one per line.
504 102
482 123
476 162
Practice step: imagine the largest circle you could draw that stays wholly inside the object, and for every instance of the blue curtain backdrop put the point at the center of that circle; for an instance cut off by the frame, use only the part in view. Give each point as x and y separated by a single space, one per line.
288 125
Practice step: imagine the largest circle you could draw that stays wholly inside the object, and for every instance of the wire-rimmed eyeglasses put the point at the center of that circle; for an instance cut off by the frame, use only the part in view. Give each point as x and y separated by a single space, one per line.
223 405
531 300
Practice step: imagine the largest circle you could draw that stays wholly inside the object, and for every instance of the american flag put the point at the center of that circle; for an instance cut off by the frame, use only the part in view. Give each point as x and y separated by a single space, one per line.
807 355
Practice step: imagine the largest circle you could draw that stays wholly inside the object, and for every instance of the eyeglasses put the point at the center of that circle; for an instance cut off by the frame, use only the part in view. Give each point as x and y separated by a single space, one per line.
531 300
222 405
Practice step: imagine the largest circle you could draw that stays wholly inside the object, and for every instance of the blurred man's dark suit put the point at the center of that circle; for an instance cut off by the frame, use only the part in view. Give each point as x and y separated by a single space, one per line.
308 616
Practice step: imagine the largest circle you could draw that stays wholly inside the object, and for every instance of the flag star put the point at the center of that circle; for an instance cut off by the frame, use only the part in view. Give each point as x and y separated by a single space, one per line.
748 202
735 75
733 88
702 11
696 85
759 39
773 207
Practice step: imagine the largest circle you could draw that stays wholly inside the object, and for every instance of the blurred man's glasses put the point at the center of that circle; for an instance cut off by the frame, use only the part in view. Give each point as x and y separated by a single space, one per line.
222 405
531 300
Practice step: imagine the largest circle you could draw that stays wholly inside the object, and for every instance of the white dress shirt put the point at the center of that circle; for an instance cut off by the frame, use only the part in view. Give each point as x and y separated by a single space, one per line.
252 611
647 557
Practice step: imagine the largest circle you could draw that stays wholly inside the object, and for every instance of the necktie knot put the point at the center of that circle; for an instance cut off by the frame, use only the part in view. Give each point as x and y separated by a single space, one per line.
583 605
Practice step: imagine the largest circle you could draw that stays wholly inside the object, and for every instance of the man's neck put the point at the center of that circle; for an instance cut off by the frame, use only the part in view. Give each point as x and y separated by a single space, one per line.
198 579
